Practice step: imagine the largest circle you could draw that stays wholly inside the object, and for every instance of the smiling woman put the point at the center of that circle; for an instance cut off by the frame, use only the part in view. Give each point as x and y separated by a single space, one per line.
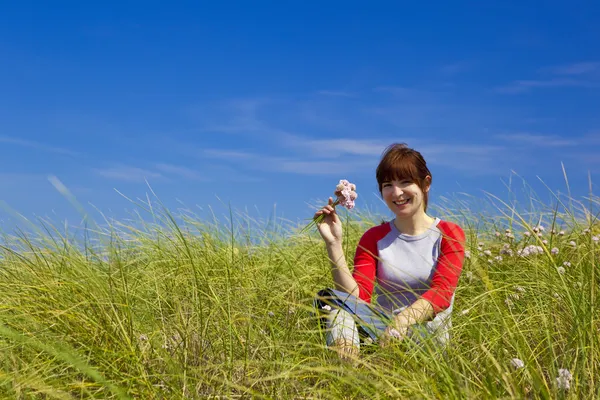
411 264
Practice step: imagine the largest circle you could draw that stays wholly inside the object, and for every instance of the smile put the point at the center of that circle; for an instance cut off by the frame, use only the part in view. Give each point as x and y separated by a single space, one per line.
401 203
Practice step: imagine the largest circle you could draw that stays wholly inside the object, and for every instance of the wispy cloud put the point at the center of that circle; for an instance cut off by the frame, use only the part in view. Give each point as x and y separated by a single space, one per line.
580 68
301 167
180 171
335 147
127 173
582 74
537 140
336 93
456 68
38 146
237 116
228 154
528 85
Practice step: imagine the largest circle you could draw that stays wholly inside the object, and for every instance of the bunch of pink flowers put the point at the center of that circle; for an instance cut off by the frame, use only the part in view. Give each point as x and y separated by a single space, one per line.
345 193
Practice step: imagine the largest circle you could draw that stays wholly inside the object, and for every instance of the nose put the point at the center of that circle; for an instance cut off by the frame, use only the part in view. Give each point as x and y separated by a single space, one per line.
398 190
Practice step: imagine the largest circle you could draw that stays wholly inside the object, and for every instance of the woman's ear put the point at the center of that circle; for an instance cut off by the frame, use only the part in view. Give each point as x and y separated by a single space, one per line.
427 183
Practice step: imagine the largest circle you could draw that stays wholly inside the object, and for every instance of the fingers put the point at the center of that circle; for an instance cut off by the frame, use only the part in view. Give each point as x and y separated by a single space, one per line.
328 209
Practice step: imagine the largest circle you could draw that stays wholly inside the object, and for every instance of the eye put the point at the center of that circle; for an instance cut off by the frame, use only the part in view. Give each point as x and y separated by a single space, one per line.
385 184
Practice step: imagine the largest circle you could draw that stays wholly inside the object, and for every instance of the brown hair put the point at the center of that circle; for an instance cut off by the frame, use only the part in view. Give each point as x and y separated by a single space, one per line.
400 162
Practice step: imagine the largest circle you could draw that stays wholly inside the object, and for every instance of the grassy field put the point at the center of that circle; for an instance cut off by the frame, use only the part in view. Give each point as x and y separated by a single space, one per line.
178 307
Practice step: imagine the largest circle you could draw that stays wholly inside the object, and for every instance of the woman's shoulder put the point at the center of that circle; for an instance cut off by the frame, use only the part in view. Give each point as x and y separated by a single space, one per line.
451 229
377 232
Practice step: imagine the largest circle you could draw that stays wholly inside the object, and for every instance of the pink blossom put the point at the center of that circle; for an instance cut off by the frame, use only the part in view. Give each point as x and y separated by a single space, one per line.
596 238
346 194
554 250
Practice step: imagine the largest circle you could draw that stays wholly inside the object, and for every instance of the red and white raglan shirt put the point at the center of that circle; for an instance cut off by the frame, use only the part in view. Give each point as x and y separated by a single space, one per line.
395 269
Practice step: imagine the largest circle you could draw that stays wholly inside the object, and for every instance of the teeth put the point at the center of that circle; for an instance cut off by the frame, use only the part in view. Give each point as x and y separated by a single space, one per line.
401 202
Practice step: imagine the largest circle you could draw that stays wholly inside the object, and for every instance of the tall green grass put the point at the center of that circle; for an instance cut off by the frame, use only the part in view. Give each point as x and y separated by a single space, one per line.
174 306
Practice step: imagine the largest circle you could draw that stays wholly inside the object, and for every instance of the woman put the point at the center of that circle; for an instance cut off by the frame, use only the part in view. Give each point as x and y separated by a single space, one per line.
411 264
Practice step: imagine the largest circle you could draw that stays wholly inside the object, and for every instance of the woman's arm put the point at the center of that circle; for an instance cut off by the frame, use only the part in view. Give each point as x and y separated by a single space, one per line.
339 269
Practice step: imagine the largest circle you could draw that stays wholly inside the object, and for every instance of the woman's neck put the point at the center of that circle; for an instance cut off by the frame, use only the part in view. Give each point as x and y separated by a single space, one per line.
415 225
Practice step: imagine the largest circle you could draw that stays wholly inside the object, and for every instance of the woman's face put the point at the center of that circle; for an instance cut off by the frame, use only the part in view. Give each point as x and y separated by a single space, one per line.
403 197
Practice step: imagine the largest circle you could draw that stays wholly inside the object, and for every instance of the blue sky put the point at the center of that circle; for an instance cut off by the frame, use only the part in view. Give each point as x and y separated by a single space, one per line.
271 103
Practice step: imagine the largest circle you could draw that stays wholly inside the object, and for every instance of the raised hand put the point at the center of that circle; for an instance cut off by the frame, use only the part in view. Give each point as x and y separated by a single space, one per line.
330 226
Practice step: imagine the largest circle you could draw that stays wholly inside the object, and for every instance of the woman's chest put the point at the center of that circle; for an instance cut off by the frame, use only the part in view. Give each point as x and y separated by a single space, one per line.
409 264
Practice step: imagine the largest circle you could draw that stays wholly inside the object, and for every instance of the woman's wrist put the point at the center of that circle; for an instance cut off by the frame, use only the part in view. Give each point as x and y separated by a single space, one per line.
333 243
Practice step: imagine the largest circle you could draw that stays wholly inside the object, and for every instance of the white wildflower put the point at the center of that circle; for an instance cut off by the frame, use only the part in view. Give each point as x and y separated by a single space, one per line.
527 233
498 234
271 314
517 363
394 333
465 311
498 258
564 378
541 228
508 302
487 253
143 338
596 239
567 263
561 233
572 243
556 296
560 270
326 307
520 289
554 250
469 275
467 254
586 231
545 242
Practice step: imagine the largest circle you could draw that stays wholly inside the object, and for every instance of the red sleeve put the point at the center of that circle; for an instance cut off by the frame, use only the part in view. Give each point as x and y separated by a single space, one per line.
365 261
449 266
